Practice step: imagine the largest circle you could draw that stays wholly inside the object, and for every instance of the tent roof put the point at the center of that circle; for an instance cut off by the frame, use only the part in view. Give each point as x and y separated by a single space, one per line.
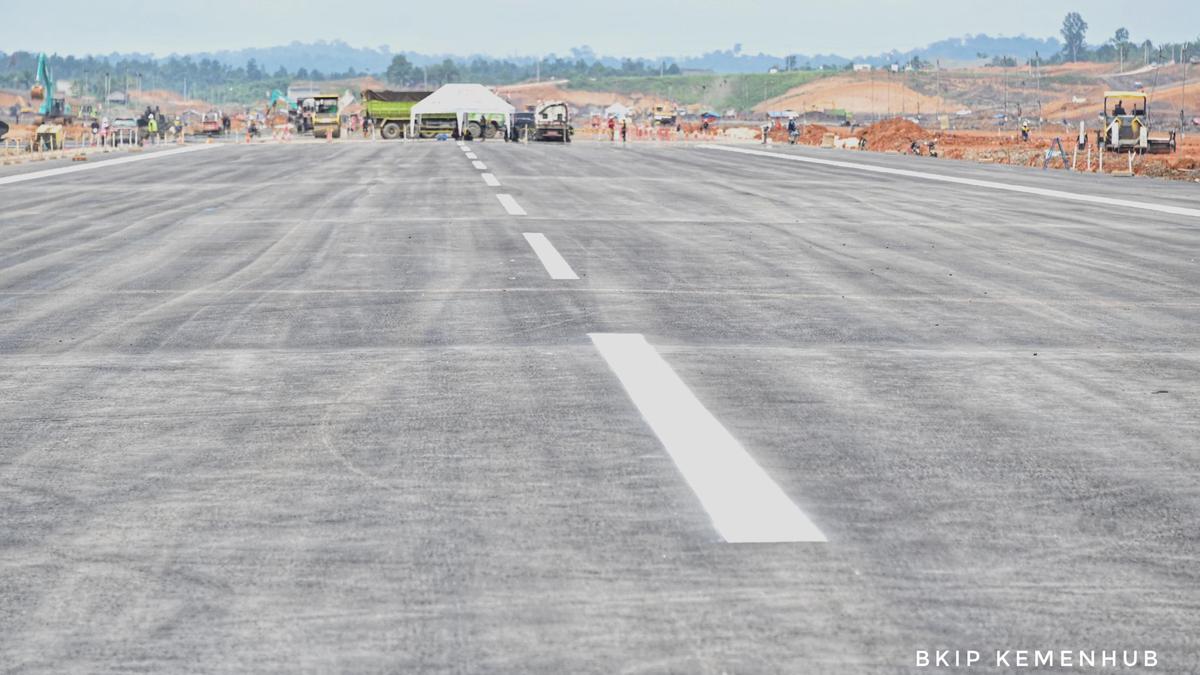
462 99
617 106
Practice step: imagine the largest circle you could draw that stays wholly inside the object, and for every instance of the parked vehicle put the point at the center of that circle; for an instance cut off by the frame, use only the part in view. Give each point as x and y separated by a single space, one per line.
664 116
125 130
391 111
524 123
210 123
553 122
325 117
1127 127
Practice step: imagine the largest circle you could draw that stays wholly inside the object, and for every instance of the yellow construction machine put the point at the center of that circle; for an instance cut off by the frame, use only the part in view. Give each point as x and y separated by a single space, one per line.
1127 126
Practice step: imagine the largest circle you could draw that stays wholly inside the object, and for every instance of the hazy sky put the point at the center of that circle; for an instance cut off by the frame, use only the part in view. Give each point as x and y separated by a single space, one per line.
615 27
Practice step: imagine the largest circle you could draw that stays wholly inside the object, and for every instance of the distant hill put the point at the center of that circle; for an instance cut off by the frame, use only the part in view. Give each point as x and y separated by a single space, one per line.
951 50
338 56
334 56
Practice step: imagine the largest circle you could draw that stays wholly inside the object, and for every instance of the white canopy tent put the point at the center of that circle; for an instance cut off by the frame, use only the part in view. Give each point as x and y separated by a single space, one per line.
617 111
463 100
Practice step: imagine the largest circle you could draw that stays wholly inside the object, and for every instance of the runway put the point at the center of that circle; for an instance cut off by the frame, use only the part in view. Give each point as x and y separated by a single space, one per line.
381 407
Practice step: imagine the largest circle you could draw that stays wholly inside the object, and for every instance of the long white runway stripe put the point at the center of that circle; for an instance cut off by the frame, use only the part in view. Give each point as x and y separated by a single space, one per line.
745 505
554 263
511 205
975 182
20 178
479 165
491 179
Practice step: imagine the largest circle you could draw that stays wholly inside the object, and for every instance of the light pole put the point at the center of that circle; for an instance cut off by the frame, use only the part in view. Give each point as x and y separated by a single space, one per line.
1183 95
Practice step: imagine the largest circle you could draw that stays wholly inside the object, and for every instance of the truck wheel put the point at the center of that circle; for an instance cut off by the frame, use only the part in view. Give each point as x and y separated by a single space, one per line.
391 131
475 130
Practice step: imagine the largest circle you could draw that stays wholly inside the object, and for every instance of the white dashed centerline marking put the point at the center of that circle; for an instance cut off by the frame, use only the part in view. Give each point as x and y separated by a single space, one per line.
491 179
479 165
471 155
511 205
47 173
745 505
554 263
975 182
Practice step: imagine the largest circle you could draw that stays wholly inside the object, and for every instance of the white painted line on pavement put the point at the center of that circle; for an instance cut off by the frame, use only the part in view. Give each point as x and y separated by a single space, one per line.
745 505
461 144
975 182
463 147
491 179
471 155
511 205
479 165
554 263
20 178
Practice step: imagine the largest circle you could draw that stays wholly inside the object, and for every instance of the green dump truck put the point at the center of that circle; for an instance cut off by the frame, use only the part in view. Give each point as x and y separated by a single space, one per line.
391 112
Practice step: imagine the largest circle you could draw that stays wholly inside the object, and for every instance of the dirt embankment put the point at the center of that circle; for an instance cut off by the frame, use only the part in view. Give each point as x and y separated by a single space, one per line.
9 99
860 93
523 95
990 147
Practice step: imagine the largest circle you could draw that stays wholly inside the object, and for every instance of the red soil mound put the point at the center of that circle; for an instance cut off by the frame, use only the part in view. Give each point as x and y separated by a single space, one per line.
895 134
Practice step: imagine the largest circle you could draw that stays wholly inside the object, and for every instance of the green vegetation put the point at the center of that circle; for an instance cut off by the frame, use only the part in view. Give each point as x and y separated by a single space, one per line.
403 73
718 92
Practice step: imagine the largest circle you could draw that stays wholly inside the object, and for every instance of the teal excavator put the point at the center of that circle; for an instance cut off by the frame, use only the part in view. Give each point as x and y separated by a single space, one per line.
53 108
55 111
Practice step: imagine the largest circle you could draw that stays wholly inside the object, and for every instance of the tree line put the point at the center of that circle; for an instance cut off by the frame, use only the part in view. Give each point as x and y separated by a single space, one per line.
402 73
1119 47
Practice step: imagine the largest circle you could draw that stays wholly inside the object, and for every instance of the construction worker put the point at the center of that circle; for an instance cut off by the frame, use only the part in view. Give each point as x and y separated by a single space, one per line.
612 125
1025 130
152 126
792 132
624 130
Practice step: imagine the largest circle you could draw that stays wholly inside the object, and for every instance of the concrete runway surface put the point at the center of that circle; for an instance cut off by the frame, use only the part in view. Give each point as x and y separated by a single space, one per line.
345 408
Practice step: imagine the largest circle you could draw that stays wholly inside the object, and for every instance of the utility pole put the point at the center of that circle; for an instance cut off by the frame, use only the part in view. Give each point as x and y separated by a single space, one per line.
1183 97
871 79
1004 62
1037 78
937 90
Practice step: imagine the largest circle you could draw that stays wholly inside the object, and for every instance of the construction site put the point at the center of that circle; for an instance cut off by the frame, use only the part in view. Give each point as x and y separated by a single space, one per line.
998 115
866 370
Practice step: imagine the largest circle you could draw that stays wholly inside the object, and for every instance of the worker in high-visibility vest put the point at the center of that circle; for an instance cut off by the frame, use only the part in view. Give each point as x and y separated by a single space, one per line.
1025 130
152 126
